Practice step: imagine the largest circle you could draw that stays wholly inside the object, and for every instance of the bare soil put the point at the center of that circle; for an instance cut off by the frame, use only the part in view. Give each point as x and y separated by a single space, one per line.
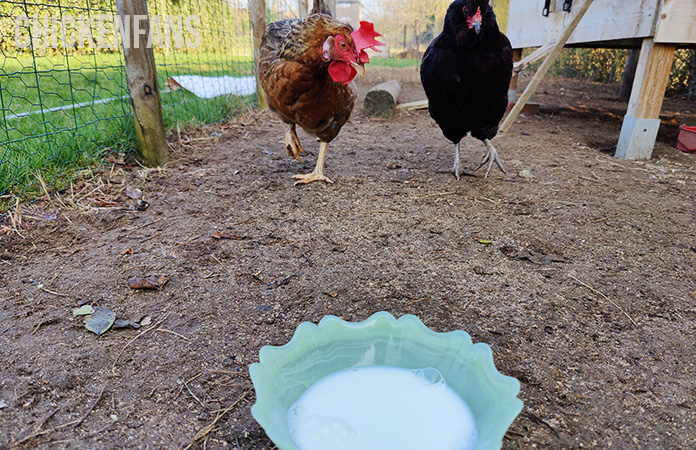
575 267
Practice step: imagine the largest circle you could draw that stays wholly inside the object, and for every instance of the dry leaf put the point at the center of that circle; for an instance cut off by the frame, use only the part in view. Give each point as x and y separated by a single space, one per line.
117 158
103 202
223 235
100 321
128 251
151 282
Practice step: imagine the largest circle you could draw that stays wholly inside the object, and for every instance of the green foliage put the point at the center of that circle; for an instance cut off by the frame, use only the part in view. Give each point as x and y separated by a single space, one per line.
590 64
683 77
607 65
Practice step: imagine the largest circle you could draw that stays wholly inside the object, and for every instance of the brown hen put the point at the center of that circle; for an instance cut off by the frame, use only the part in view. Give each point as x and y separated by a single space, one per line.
306 69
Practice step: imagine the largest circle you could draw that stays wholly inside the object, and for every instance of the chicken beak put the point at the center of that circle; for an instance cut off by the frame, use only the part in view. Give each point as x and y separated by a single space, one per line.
477 27
359 67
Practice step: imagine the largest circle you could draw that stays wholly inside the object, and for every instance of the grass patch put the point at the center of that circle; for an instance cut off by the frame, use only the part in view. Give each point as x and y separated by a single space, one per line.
395 62
59 144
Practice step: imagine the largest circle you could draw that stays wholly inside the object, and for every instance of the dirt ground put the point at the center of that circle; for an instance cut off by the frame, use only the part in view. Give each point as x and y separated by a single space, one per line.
575 267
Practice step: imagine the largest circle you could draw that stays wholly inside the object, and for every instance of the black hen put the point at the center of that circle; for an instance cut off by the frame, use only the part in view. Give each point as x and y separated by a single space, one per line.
466 73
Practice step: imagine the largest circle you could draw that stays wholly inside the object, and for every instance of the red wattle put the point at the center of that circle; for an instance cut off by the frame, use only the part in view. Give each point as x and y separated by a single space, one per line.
342 72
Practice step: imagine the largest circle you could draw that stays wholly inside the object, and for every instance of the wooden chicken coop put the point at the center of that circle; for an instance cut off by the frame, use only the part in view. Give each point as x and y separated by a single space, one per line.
656 27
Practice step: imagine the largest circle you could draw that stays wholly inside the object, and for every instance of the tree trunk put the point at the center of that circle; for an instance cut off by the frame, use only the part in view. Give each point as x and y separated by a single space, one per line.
629 74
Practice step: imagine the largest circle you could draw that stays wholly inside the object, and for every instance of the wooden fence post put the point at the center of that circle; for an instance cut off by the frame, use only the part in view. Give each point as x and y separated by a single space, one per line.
143 87
332 6
302 9
258 25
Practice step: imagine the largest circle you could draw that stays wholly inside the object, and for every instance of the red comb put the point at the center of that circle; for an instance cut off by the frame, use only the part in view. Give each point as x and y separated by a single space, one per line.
364 37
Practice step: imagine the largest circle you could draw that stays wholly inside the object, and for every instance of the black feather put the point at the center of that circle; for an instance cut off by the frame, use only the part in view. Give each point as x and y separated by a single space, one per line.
466 75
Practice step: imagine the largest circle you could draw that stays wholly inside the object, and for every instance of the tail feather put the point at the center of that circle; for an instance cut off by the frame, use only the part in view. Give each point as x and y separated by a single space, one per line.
320 8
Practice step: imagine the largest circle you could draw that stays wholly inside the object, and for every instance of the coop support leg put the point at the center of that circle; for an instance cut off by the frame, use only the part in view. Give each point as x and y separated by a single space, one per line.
637 138
642 120
512 91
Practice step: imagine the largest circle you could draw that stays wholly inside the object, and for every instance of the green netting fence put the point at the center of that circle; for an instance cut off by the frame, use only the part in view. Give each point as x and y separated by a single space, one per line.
64 102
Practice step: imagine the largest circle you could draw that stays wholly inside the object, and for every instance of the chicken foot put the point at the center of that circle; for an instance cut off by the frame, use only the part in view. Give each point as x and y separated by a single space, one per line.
318 173
490 158
292 143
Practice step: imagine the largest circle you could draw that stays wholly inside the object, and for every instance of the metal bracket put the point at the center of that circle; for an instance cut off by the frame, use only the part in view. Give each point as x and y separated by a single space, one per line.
567 5
547 6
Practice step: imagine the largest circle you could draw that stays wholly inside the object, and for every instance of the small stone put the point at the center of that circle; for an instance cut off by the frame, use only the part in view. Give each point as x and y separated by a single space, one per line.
526 174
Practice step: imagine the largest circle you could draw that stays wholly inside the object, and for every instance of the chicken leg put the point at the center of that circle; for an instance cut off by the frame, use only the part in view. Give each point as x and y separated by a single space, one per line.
318 173
457 161
490 158
292 143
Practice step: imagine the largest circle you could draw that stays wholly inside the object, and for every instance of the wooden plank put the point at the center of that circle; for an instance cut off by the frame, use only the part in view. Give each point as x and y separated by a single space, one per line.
258 26
533 57
677 22
302 8
418 104
607 20
650 83
143 87
541 71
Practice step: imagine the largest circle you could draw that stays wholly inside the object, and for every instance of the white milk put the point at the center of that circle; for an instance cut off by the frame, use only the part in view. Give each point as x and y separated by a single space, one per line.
382 408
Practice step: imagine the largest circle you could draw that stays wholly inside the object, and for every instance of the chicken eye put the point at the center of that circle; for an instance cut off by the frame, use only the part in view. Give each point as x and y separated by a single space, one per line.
342 45
465 11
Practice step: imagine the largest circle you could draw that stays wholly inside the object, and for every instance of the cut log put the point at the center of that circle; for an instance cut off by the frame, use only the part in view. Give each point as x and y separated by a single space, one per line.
381 100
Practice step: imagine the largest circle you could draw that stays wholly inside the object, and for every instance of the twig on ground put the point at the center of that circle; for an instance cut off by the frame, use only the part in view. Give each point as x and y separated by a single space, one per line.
437 194
467 304
53 292
154 327
605 218
605 297
173 332
37 327
35 431
208 428
228 372
79 421
91 408
194 395
418 300
150 237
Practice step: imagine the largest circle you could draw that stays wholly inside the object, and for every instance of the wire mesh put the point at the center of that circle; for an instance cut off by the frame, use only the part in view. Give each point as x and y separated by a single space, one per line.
63 92
219 57
61 105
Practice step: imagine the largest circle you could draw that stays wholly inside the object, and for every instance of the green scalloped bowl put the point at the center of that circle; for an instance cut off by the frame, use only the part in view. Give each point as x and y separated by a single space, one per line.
315 351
